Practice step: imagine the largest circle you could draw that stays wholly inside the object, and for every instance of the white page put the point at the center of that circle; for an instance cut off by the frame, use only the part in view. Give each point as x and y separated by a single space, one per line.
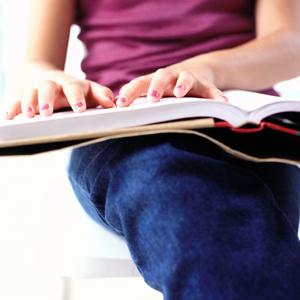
140 103
250 101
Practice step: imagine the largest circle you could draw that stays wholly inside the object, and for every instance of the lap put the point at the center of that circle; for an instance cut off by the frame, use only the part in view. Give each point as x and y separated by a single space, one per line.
137 160
192 215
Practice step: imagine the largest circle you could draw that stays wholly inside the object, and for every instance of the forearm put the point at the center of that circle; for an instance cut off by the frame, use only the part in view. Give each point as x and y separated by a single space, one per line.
256 65
47 42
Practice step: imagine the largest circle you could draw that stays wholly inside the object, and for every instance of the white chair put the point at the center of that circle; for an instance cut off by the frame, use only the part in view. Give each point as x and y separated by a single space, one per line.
99 253
49 242
75 246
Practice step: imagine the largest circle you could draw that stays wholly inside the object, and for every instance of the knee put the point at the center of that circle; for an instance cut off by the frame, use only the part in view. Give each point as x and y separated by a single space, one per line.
160 184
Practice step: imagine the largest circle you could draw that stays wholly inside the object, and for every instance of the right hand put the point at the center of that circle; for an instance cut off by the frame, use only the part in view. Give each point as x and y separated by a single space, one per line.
51 95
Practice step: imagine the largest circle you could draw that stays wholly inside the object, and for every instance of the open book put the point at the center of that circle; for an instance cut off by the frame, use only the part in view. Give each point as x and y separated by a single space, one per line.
243 108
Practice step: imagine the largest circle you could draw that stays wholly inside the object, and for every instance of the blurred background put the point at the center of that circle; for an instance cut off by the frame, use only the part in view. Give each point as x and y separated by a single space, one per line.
25 182
13 35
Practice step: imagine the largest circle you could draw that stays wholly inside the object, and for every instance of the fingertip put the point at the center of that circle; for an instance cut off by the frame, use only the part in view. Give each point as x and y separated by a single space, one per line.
221 98
211 92
79 106
179 91
7 116
108 102
100 95
12 111
122 101
225 99
28 111
46 110
154 96
109 98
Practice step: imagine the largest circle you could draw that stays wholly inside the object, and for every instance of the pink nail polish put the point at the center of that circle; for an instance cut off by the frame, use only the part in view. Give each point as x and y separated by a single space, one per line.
45 106
122 99
154 93
28 108
109 98
78 105
181 87
225 99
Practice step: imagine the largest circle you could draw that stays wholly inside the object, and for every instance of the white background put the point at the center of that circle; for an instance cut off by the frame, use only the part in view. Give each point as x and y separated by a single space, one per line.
13 34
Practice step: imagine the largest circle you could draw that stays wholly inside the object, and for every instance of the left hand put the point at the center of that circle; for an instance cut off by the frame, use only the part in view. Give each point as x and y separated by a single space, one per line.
183 79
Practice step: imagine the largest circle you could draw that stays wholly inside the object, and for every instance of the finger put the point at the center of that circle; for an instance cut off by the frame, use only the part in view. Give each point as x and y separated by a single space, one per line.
133 90
161 80
99 95
74 93
209 91
48 93
29 103
13 110
185 82
189 85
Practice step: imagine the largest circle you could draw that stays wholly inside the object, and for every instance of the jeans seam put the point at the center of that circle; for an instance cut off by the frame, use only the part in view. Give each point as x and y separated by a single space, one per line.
99 214
92 161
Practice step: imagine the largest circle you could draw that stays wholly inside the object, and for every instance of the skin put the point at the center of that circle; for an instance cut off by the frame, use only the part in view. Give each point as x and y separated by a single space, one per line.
272 57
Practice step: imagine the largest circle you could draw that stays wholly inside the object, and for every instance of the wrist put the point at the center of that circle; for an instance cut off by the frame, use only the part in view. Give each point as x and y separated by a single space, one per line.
33 73
203 67
211 68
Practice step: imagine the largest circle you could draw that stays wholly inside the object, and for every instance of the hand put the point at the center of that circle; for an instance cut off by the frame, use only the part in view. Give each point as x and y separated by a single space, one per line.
188 78
51 95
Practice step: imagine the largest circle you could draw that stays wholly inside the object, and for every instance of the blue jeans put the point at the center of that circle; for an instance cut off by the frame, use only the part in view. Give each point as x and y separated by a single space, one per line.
199 224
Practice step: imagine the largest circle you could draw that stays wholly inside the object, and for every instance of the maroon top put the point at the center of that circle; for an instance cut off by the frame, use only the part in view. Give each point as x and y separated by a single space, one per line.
125 39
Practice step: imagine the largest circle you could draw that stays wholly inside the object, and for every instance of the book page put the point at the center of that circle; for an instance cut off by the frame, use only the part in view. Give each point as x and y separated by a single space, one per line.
250 101
138 104
140 113
247 101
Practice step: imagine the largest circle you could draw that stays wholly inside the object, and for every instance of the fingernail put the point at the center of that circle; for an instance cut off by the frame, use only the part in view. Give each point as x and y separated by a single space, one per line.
181 87
45 106
28 109
78 105
122 99
6 116
109 98
154 93
225 99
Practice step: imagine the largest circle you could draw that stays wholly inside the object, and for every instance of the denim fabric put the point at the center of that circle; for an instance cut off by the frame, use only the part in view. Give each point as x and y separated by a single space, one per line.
199 224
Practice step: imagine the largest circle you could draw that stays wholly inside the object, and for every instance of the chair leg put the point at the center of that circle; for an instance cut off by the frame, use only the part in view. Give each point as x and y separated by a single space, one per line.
66 288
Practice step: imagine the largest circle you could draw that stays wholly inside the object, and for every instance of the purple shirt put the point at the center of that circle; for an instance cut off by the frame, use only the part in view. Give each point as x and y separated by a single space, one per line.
127 38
